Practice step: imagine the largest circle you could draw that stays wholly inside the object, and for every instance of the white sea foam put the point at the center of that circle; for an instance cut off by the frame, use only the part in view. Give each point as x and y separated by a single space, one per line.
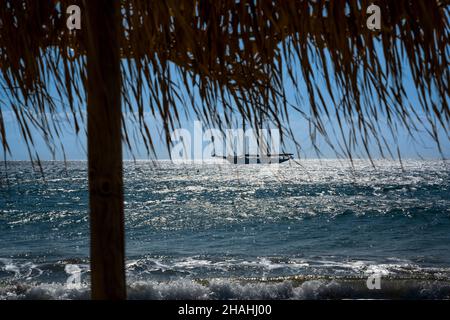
239 289
20 270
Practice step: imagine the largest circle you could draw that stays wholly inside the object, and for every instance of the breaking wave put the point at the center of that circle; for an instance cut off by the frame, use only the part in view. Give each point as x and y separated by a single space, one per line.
224 289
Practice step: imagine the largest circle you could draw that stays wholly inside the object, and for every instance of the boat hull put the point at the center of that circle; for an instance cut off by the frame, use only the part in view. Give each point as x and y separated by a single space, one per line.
257 160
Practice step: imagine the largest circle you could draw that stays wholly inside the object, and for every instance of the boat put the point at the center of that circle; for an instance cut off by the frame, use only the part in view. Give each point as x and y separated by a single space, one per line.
257 159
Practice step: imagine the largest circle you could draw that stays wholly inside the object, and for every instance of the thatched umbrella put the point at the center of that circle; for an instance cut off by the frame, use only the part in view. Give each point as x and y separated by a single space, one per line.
236 54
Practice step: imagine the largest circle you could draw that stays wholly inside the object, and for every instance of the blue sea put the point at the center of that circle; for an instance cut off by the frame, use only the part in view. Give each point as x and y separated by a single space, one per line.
316 229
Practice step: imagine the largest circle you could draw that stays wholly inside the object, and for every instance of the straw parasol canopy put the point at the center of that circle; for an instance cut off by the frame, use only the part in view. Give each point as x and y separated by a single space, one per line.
222 59
238 53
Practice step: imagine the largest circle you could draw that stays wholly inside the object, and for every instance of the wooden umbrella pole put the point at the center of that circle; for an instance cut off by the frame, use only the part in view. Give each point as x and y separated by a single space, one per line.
105 150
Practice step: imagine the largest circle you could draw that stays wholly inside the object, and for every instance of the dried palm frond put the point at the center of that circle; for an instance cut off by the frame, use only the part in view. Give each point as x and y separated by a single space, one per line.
226 58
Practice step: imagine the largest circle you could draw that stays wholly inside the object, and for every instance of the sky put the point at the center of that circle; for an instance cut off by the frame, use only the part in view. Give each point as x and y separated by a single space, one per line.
421 146
75 145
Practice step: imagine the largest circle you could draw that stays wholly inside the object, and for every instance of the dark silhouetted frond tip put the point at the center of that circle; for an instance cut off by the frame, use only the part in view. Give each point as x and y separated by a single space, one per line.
223 60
